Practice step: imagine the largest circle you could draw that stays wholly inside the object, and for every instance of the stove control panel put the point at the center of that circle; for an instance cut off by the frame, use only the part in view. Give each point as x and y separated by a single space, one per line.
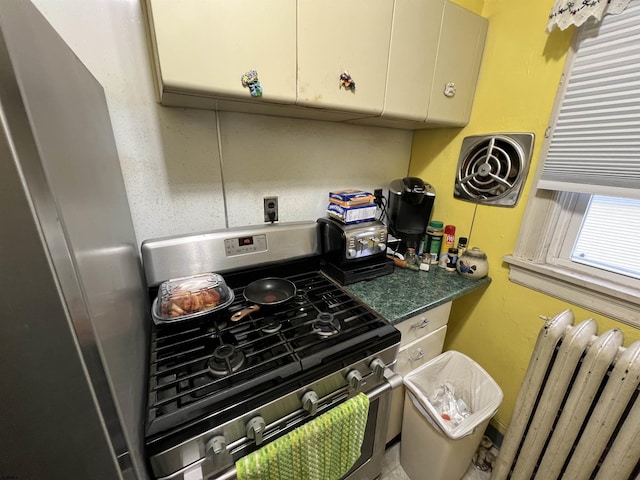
243 245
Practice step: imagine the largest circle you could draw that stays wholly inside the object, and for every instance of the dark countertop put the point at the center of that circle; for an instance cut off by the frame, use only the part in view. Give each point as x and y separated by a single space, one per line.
406 293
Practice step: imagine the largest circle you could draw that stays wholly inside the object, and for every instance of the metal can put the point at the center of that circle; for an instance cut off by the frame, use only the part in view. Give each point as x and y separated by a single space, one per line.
433 242
448 241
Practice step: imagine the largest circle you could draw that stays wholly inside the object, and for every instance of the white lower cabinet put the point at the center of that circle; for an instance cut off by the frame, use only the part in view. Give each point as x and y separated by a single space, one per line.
422 339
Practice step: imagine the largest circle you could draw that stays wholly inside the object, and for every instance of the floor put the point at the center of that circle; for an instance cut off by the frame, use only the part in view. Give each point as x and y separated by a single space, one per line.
392 470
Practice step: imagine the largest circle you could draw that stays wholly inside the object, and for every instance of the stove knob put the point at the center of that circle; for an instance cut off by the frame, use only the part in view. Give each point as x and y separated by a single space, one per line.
351 253
378 367
354 378
217 445
382 246
310 402
255 429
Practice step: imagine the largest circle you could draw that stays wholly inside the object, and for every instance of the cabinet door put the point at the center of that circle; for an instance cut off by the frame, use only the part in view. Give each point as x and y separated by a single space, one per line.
337 36
460 48
204 47
424 323
410 357
412 58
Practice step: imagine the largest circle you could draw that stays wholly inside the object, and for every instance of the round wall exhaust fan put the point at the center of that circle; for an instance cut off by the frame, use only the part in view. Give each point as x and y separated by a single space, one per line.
492 168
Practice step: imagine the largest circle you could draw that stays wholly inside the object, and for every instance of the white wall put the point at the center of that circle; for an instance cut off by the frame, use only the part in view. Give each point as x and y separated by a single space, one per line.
178 175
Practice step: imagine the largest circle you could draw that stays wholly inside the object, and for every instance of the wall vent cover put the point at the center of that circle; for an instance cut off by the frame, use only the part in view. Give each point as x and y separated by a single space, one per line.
492 168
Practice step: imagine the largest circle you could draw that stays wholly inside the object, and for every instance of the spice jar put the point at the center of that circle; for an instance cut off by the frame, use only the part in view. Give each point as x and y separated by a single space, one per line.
462 245
411 257
433 242
448 241
452 259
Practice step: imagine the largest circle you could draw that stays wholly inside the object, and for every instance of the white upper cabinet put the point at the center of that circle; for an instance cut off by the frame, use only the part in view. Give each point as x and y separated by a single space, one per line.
414 63
434 62
203 48
412 58
460 49
337 36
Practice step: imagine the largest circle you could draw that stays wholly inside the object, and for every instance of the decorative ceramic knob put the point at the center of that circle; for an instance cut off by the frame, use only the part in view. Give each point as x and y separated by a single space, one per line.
473 263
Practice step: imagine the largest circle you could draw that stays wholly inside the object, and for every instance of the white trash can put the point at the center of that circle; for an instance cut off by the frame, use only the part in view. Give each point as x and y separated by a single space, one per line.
433 447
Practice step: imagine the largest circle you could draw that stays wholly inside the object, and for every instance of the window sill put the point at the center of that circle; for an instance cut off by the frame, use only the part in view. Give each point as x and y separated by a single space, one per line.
610 299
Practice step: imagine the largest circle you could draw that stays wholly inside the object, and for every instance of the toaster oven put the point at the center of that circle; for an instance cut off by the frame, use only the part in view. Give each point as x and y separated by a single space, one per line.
354 252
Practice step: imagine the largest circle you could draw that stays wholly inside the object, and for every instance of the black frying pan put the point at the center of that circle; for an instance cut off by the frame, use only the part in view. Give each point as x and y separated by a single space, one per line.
264 292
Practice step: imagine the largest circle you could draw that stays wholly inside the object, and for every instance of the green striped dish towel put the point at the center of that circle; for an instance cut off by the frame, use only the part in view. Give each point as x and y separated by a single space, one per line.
322 449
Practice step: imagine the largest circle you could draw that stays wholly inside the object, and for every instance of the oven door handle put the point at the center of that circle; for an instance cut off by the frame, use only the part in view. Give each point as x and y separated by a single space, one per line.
392 381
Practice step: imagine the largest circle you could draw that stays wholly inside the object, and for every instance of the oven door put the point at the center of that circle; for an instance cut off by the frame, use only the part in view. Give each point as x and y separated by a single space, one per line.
367 467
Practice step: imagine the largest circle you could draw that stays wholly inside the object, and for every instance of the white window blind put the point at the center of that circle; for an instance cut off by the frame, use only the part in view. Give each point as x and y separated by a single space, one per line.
595 142
608 238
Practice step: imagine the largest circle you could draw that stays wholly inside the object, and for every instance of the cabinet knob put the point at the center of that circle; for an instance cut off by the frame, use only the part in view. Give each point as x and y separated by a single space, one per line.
250 80
417 354
421 324
347 82
449 89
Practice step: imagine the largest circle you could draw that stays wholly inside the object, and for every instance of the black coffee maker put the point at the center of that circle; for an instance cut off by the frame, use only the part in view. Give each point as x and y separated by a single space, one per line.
409 210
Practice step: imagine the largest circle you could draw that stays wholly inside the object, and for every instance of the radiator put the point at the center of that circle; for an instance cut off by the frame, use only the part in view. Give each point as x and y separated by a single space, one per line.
577 415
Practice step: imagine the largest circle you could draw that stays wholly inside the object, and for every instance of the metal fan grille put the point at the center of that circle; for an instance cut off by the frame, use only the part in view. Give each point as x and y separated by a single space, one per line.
492 169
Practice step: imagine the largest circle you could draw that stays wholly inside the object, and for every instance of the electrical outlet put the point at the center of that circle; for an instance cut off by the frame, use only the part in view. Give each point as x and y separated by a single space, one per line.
271 209
377 193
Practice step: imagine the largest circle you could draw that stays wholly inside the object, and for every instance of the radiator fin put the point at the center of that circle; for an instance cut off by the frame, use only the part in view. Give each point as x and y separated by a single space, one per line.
577 415
578 405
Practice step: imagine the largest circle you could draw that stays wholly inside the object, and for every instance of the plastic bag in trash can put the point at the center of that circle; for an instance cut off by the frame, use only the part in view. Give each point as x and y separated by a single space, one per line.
450 407
471 382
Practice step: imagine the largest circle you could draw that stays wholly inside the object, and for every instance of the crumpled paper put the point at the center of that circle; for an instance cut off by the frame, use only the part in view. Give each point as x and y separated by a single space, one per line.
450 408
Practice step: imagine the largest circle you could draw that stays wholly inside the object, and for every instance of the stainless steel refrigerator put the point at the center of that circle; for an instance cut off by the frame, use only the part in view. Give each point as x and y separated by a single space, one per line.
74 317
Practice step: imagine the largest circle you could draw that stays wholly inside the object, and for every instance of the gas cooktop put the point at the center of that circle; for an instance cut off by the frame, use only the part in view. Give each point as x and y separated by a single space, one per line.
206 370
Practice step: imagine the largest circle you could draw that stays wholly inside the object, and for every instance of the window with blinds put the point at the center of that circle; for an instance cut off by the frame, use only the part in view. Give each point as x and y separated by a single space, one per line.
580 235
595 140
609 236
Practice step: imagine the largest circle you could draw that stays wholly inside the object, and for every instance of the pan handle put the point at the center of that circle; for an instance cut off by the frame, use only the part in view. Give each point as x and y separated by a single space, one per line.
240 314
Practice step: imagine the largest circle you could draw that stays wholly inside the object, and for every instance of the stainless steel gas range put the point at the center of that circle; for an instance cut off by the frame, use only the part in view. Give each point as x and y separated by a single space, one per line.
219 390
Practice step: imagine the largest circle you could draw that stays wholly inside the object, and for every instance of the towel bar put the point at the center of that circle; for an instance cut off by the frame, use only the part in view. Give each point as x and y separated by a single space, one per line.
194 472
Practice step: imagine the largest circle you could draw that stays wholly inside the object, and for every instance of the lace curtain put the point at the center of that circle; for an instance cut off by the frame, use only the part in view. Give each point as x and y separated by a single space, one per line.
575 12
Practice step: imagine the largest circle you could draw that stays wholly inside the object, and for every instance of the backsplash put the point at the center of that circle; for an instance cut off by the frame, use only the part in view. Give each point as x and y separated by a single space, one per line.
190 170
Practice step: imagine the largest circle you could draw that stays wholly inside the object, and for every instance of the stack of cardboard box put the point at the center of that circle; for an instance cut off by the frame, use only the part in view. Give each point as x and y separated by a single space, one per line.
352 206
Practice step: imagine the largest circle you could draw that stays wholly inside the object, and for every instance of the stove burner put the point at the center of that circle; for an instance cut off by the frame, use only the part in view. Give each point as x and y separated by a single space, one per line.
212 332
325 325
300 299
271 325
226 360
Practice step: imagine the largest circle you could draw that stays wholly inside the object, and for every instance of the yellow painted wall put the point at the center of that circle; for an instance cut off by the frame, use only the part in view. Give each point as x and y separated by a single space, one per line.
518 81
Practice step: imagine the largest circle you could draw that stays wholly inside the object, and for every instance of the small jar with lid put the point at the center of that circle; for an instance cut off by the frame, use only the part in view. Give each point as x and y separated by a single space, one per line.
413 262
462 245
473 263
410 254
452 259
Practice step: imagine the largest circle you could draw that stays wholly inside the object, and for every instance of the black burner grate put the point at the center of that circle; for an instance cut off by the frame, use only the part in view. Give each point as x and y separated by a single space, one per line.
202 367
